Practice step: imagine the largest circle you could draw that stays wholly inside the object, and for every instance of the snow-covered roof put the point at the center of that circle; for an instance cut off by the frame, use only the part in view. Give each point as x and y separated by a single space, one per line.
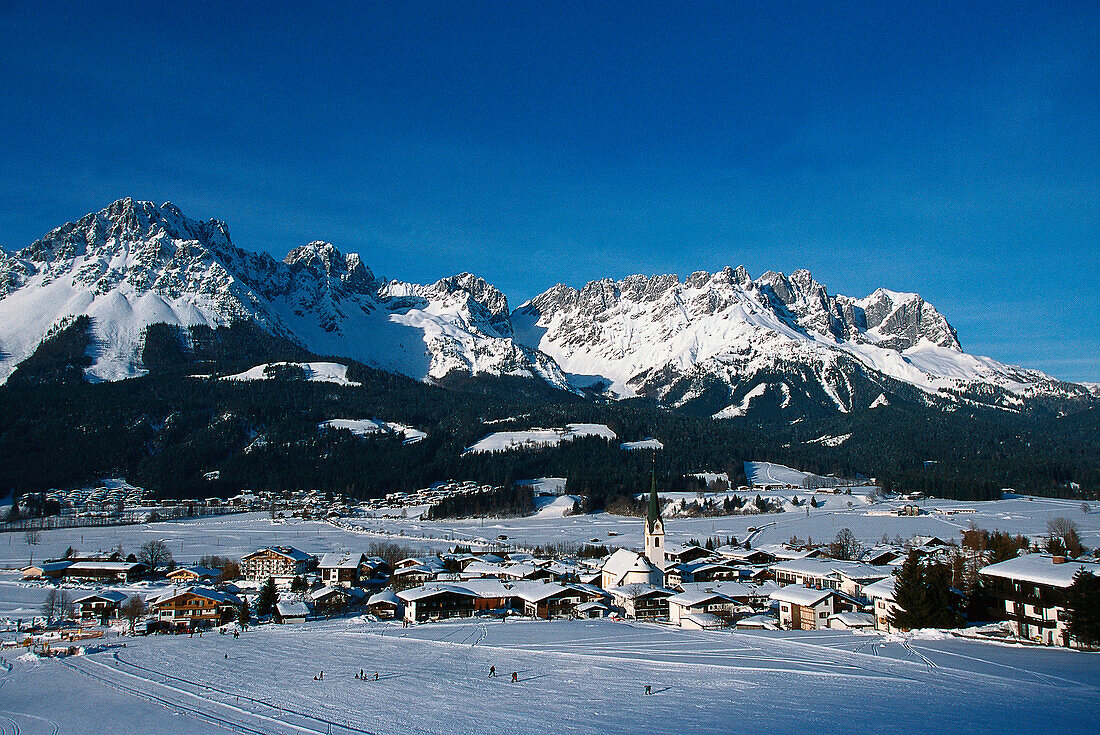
782 551
854 619
538 591
704 619
196 570
884 589
805 596
104 566
1039 569
341 561
385 597
697 597
110 595
766 622
208 593
328 592
624 561
736 590
639 590
292 608
593 605
288 551
826 567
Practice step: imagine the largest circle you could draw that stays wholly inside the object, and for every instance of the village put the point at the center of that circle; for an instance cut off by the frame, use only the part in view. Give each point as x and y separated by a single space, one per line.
714 585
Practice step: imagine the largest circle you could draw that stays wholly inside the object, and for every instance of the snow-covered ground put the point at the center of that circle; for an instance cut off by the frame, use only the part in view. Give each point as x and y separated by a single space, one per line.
321 372
235 535
370 427
647 443
573 677
502 441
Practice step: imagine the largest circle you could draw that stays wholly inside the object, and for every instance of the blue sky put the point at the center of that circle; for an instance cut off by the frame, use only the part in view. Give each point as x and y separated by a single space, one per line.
947 149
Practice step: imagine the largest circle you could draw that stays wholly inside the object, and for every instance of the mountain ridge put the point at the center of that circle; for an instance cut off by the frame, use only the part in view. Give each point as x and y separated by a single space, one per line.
721 341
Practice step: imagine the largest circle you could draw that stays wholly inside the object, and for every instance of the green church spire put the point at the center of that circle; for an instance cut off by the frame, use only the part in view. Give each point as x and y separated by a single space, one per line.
654 513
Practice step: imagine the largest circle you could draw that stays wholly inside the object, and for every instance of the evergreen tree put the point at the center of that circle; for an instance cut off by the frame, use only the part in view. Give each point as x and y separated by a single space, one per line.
244 615
923 596
1083 606
910 595
267 599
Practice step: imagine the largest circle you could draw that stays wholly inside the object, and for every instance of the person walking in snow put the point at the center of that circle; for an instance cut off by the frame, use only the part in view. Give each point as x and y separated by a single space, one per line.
361 676
515 677
376 676
648 689
492 671
321 676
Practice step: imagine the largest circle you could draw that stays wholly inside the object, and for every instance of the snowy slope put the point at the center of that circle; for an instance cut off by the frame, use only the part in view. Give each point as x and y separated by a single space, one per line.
134 264
675 341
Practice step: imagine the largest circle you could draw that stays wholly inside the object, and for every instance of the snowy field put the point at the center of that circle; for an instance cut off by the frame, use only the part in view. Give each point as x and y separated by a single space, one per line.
869 522
573 677
235 535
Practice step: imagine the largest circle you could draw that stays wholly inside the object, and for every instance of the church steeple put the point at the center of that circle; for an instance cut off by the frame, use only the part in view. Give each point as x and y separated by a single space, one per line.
654 513
654 527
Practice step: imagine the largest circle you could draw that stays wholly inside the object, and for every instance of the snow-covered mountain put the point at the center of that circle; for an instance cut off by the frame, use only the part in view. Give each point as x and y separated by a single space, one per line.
722 344
727 341
135 263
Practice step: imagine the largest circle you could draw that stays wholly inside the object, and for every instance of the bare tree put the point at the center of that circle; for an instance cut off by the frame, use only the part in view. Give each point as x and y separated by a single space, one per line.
1063 537
845 546
633 592
51 603
58 604
133 610
32 536
155 555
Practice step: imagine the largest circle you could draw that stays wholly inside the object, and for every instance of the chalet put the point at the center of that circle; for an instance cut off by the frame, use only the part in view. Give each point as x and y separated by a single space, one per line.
687 553
1031 594
47 569
105 571
746 556
784 552
548 601
436 603
187 575
385 604
291 611
709 571
343 570
330 599
849 577
804 608
700 609
277 562
881 595
100 606
743 593
190 608
642 601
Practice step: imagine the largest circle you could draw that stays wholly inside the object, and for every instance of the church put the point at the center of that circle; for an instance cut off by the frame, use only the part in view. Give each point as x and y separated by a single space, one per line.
629 567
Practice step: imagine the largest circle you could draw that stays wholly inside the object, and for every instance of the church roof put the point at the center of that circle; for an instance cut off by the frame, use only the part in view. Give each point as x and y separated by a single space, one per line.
654 513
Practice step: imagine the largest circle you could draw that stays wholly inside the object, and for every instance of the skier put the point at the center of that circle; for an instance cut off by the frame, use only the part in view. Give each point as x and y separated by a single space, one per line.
515 677
492 671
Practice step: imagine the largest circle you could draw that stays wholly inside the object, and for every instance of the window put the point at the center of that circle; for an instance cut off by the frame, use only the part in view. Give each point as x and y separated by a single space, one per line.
656 542
823 615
